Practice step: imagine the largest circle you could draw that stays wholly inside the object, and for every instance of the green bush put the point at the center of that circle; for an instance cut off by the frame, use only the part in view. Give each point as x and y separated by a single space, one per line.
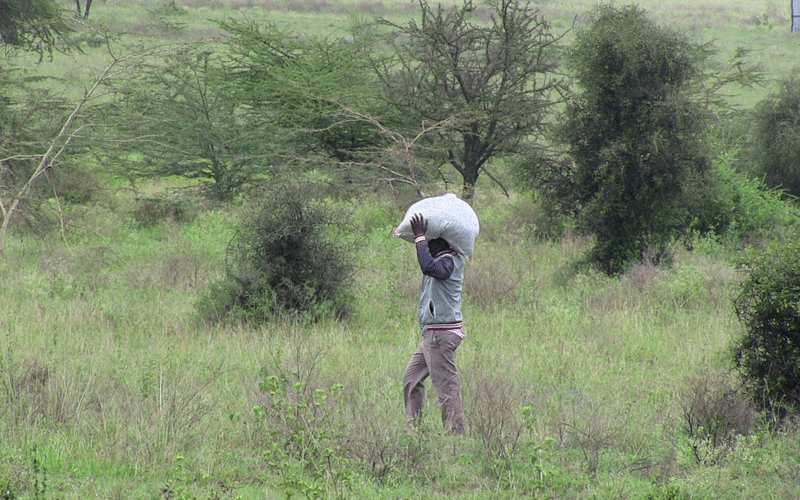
175 206
634 136
729 204
768 354
776 137
292 253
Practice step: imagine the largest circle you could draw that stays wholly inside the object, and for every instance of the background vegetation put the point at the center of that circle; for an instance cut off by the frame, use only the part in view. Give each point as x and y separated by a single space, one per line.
576 384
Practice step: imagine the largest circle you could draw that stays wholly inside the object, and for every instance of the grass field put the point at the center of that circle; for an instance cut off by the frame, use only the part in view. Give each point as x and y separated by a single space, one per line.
576 386
763 27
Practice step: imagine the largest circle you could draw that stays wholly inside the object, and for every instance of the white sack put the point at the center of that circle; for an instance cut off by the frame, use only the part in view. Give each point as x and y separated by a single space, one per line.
449 218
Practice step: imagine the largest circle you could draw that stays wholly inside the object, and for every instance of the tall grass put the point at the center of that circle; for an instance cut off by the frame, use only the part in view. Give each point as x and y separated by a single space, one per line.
575 385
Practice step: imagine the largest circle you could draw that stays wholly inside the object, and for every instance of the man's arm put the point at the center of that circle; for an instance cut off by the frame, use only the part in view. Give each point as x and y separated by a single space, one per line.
440 269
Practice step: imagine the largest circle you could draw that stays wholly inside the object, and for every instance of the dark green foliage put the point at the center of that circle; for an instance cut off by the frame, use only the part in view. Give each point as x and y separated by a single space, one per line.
768 355
776 137
291 254
728 204
633 135
32 25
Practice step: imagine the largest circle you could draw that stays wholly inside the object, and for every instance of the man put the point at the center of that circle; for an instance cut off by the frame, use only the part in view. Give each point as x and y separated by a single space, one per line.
442 330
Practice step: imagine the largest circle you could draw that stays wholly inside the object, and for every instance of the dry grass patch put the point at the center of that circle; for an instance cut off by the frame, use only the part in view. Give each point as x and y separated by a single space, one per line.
714 415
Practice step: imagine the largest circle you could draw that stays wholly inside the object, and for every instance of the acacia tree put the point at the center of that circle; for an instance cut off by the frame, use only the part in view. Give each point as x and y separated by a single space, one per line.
322 94
477 91
27 112
633 134
180 116
68 127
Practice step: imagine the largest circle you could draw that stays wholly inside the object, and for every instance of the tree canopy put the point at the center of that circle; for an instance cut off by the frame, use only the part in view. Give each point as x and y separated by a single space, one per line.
182 117
320 92
633 133
477 90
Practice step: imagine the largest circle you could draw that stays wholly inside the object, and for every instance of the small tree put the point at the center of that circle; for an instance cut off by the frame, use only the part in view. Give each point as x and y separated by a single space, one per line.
181 117
768 304
477 90
633 134
50 129
320 92
292 253
776 137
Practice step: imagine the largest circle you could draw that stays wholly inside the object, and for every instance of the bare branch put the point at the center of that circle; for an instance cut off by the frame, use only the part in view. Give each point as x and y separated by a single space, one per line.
66 134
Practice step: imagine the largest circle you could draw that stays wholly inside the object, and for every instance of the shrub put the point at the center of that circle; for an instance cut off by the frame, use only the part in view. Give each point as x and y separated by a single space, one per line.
305 436
713 415
727 203
633 134
776 137
75 184
768 304
175 206
290 254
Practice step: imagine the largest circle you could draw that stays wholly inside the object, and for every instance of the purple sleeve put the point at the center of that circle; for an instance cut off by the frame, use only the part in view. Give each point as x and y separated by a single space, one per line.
441 269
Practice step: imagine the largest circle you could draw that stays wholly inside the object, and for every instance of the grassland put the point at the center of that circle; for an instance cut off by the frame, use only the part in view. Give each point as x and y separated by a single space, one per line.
576 386
760 26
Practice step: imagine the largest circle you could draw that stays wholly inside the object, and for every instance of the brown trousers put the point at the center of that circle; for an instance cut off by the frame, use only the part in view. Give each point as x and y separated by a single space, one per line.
435 356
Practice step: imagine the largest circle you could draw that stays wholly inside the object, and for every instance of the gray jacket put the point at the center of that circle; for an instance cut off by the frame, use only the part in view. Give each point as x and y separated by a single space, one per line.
440 298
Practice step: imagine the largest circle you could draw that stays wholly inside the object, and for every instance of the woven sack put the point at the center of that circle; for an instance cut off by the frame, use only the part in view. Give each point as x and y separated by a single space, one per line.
449 218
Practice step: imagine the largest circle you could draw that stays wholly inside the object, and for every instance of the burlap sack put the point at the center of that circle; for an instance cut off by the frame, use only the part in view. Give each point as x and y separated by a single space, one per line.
449 218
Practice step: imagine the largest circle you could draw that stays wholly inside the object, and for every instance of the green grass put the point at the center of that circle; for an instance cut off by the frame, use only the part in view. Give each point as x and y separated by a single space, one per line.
575 384
763 28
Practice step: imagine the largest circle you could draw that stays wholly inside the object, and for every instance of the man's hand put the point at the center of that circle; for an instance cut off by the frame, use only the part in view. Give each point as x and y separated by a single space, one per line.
419 225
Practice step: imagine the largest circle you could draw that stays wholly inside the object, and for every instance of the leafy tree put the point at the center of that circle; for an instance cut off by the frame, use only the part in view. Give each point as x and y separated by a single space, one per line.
633 134
41 136
292 253
477 91
321 92
768 304
181 117
776 137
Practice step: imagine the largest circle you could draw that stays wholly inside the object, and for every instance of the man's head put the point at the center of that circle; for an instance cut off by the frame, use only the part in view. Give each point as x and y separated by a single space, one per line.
438 245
